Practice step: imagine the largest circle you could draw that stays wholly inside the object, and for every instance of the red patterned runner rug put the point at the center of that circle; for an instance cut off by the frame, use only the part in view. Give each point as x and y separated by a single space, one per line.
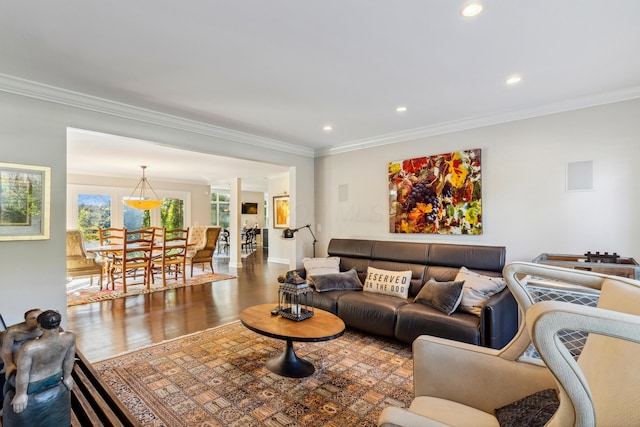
218 378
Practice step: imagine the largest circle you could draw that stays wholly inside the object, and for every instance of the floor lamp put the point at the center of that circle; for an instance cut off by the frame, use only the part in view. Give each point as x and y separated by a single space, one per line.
289 233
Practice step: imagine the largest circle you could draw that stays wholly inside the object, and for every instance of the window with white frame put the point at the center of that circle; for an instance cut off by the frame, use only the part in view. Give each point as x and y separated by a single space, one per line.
92 207
220 208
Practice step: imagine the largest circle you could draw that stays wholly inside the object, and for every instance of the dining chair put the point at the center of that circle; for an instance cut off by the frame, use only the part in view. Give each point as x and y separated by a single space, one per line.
109 236
137 250
223 241
173 255
249 240
79 264
204 254
158 239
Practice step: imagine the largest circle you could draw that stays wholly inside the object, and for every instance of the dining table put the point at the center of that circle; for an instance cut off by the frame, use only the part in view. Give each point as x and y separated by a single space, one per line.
110 251
116 248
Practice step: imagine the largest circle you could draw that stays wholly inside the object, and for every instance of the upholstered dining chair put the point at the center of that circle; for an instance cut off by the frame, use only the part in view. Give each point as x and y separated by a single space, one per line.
457 384
79 264
202 251
173 254
137 252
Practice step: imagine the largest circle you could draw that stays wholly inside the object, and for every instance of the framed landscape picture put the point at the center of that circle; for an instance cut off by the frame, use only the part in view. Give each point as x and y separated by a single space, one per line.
24 202
281 212
437 194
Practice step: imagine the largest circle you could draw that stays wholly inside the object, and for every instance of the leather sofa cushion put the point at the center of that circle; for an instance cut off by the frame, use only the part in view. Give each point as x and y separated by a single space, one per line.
328 301
408 252
416 319
369 312
441 274
473 257
350 248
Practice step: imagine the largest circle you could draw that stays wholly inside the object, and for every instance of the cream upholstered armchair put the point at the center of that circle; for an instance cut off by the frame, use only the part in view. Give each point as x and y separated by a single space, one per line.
203 240
457 384
79 264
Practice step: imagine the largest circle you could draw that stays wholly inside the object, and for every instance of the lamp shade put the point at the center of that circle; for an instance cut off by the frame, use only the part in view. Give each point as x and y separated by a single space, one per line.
140 201
288 233
143 204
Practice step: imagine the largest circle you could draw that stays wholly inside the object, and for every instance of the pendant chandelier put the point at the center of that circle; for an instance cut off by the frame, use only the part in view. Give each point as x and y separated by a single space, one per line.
141 202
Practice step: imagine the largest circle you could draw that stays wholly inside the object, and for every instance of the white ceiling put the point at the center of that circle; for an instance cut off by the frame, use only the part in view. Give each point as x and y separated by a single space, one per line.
93 153
283 69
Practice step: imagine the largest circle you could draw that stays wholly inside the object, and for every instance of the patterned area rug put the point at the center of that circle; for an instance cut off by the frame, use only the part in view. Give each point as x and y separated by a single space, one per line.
218 378
87 294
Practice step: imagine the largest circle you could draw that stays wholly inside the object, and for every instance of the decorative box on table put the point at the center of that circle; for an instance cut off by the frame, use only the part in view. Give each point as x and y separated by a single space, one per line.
598 263
295 301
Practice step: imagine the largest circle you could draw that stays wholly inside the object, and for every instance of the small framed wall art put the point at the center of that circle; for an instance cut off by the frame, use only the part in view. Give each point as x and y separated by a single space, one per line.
281 212
25 199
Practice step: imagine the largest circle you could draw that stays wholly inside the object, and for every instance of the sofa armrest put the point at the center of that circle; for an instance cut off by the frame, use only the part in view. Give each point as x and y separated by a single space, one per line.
499 320
301 272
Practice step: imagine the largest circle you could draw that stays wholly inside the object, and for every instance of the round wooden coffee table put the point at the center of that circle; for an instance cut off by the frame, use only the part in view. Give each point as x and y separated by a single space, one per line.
323 326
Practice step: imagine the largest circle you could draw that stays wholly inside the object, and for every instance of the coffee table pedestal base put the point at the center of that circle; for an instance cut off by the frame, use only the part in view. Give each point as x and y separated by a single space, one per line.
288 364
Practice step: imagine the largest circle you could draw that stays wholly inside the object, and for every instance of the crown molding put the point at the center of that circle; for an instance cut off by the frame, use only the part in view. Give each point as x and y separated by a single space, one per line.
57 95
481 121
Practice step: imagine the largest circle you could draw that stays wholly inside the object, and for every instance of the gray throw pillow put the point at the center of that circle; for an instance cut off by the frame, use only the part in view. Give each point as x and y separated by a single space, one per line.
477 290
345 281
443 296
318 266
534 410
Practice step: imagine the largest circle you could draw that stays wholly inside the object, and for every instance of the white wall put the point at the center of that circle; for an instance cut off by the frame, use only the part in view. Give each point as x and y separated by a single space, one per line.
253 219
32 131
279 250
525 205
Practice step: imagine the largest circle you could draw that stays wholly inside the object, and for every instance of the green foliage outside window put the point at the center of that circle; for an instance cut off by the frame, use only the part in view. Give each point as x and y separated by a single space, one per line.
94 212
172 214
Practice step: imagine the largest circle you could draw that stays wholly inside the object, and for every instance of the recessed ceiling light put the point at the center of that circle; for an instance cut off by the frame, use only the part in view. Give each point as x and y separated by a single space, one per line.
471 9
513 80
327 128
401 108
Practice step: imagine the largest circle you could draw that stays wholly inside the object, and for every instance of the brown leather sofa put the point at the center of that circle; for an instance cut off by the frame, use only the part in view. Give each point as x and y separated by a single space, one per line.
405 320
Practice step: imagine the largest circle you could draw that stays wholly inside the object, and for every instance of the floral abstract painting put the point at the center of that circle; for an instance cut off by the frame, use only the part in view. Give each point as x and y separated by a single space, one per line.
439 194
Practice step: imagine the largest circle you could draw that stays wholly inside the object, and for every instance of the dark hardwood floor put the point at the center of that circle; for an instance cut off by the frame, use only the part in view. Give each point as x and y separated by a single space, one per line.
107 328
